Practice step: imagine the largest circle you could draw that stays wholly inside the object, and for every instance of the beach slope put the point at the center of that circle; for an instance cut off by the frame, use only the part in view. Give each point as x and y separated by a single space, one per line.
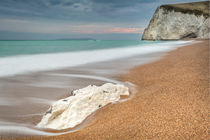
171 102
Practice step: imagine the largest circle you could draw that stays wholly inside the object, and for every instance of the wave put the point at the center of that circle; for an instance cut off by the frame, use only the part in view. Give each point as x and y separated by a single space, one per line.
31 63
40 62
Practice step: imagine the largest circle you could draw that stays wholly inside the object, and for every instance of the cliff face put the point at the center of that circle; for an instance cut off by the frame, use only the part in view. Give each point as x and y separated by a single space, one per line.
179 21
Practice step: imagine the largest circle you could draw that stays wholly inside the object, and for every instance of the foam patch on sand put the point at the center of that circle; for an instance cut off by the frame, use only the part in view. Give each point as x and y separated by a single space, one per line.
71 111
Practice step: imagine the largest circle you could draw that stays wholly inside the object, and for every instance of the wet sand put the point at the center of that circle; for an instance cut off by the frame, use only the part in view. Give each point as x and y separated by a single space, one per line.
26 97
171 103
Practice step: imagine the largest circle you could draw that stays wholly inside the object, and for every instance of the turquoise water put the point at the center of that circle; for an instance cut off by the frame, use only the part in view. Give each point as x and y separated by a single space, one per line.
18 57
12 48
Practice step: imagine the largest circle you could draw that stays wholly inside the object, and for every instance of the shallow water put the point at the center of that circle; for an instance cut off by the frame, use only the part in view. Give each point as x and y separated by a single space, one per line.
26 95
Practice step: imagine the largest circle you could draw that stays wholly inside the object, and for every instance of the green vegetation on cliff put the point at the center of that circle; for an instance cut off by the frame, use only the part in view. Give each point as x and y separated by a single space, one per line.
196 8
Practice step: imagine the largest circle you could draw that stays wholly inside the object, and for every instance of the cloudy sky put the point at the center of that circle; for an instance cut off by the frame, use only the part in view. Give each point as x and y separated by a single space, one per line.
63 19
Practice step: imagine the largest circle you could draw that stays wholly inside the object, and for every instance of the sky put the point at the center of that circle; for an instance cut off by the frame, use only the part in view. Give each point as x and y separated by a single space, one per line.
72 19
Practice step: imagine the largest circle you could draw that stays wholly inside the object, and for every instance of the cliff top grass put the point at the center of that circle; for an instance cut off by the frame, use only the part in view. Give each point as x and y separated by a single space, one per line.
196 8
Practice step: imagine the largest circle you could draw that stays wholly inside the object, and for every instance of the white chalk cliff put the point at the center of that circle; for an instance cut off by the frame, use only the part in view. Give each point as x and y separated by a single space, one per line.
71 111
179 21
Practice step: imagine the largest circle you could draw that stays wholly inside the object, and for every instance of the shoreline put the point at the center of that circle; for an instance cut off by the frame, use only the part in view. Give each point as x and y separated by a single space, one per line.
26 97
172 101
145 113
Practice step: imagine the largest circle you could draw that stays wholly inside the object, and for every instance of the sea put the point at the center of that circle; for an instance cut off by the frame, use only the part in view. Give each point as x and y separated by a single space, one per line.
36 73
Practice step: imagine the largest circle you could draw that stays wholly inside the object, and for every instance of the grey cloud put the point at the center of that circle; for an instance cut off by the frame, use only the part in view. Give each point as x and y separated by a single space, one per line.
79 10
